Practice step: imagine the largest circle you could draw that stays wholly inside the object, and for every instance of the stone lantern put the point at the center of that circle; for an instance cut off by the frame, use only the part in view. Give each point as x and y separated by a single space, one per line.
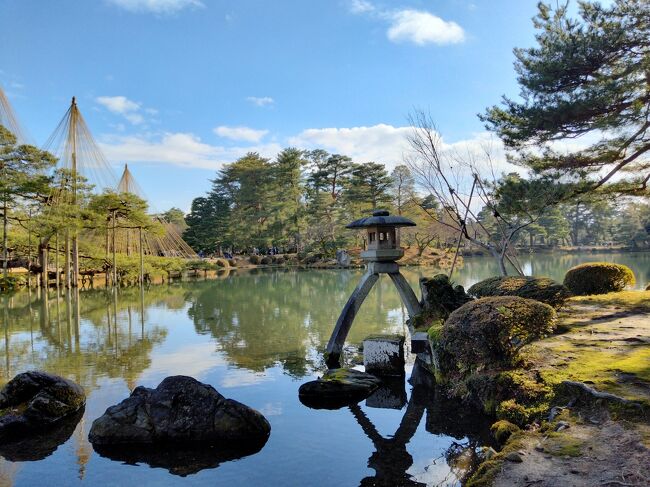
383 249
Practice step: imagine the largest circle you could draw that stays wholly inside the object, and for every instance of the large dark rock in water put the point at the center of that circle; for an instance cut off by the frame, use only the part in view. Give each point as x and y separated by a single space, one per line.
338 388
35 400
180 410
40 444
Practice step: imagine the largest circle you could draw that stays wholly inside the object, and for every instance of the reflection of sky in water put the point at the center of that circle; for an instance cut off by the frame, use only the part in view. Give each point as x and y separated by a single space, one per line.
255 338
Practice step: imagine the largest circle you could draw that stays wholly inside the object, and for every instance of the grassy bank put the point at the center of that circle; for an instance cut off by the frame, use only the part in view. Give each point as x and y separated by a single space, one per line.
598 432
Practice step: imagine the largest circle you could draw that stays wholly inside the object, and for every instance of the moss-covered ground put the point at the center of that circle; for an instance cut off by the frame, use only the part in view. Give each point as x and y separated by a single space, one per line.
603 342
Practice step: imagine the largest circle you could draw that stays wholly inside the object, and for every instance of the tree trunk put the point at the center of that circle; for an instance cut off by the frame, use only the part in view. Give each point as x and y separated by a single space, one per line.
42 261
141 258
56 261
5 253
114 257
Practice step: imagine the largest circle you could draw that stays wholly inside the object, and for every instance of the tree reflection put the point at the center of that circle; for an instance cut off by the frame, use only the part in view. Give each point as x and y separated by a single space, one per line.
263 319
82 335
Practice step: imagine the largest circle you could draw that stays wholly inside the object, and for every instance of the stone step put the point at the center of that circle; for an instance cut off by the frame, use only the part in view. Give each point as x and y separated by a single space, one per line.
420 342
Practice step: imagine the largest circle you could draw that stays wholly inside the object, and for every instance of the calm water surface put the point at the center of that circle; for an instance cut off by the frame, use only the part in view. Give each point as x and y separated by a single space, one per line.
255 337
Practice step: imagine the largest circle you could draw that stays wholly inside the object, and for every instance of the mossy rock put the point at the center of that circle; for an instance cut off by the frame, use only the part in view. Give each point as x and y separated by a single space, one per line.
538 288
490 390
502 430
488 333
232 262
338 388
439 299
34 400
598 278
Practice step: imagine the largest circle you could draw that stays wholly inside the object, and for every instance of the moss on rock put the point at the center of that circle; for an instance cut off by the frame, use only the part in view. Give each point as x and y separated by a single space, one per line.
488 333
598 278
538 288
439 299
502 430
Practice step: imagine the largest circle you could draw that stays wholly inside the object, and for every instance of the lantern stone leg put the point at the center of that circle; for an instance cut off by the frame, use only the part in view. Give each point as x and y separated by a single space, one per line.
406 293
343 324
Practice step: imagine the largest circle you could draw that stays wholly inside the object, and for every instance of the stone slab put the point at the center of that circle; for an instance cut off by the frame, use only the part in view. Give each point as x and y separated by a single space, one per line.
384 355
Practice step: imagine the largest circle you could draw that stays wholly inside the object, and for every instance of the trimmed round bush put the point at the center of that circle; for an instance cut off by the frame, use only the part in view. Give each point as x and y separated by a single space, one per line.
488 333
647 288
266 260
254 259
222 263
598 278
232 262
538 288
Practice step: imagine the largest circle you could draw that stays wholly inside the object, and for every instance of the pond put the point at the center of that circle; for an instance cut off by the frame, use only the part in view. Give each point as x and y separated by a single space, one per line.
256 337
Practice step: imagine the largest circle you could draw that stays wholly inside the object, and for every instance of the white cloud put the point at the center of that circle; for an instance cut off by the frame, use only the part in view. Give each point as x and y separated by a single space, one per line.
408 25
121 105
388 145
381 143
156 6
422 28
118 104
180 149
261 101
361 6
240 133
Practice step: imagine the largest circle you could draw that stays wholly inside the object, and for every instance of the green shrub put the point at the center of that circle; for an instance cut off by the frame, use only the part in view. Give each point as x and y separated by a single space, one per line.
266 260
488 333
538 288
222 263
598 278
254 259
502 430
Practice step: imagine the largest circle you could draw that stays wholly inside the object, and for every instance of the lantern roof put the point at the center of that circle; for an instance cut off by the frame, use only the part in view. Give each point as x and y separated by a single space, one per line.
381 218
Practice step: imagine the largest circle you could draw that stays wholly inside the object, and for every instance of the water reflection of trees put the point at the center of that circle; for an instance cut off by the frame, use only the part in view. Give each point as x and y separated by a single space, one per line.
264 319
82 335
391 460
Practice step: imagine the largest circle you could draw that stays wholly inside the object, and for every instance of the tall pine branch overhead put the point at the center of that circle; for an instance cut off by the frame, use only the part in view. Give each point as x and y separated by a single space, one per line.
588 78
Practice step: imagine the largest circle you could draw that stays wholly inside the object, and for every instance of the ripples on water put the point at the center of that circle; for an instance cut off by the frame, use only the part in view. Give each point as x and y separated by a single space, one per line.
255 337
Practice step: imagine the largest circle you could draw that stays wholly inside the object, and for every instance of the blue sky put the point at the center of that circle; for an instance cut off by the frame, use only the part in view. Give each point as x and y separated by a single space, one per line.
176 88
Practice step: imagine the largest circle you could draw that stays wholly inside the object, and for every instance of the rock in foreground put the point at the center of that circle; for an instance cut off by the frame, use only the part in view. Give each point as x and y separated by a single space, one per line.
338 388
180 410
35 400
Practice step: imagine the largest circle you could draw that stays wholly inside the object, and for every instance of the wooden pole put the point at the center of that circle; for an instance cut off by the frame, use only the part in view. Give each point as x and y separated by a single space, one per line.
56 260
66 263
29 250
75 241
141 257
114 257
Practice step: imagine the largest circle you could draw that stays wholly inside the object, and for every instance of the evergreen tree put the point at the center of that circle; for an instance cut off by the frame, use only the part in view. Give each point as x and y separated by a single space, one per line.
586 76
21 177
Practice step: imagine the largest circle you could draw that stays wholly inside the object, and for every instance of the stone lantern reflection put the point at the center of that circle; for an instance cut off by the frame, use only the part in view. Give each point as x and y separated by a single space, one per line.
383 249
